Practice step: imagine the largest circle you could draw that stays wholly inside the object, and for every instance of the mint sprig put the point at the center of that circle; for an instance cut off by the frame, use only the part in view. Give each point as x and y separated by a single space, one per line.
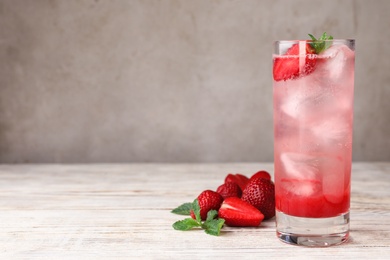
212 225
321 44
183 209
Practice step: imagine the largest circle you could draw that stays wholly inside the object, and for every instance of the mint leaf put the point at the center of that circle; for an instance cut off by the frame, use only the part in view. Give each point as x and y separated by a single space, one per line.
183 209
213 227
212 214
328 43
196 209
185 224
312 37
321 44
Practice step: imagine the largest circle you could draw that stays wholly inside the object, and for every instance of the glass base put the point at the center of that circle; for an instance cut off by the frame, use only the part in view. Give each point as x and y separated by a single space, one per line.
312 232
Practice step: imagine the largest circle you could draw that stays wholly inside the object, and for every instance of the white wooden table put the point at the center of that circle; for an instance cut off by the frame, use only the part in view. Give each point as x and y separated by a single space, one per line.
123 211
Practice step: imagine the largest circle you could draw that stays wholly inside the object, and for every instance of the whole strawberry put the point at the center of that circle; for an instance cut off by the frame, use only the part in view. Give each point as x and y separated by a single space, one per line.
260 193
208 200
240 179
261 174
229 189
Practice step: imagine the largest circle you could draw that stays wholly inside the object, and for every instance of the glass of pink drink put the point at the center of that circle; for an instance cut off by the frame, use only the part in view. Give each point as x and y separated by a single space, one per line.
313 114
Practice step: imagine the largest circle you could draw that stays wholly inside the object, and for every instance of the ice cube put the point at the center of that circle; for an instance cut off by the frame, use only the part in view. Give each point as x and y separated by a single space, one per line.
304 188
333 182
332 130
306 96
338 60
291 102
310 175
300 166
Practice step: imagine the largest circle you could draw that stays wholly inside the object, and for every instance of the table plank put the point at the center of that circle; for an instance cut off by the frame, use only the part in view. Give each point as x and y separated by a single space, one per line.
123 211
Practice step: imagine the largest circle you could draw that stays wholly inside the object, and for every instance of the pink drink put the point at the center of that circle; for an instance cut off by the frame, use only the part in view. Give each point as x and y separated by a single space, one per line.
313 138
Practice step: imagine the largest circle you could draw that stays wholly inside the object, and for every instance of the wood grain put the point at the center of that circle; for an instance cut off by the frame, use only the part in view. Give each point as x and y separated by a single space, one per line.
123 211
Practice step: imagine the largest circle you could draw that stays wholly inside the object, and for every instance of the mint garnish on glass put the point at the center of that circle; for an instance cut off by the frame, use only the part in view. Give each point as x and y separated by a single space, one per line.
321 44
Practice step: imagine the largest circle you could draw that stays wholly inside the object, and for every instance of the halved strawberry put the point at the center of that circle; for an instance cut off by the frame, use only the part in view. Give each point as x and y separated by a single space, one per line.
238 178
238 213
295 62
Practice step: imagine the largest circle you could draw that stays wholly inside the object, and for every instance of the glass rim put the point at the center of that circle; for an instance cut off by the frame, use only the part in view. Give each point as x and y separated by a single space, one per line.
309 41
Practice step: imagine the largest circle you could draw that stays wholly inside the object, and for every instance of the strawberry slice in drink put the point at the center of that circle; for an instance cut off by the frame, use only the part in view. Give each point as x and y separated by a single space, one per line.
300 59
295 62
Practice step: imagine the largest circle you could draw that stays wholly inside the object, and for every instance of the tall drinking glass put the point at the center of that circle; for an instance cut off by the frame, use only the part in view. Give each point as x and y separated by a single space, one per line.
313 114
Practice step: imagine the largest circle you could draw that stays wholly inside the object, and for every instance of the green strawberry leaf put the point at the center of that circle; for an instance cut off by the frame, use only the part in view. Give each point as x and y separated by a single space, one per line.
321 44
183 209
212 214
185 224
213 226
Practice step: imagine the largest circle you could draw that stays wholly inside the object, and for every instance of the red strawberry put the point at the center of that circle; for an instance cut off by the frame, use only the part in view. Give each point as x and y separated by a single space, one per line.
290 66
261 174
229 189
260 193
238 213
240 179
208 200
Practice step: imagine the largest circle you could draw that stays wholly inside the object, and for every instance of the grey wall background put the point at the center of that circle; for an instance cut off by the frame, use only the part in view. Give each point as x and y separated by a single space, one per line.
170 81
